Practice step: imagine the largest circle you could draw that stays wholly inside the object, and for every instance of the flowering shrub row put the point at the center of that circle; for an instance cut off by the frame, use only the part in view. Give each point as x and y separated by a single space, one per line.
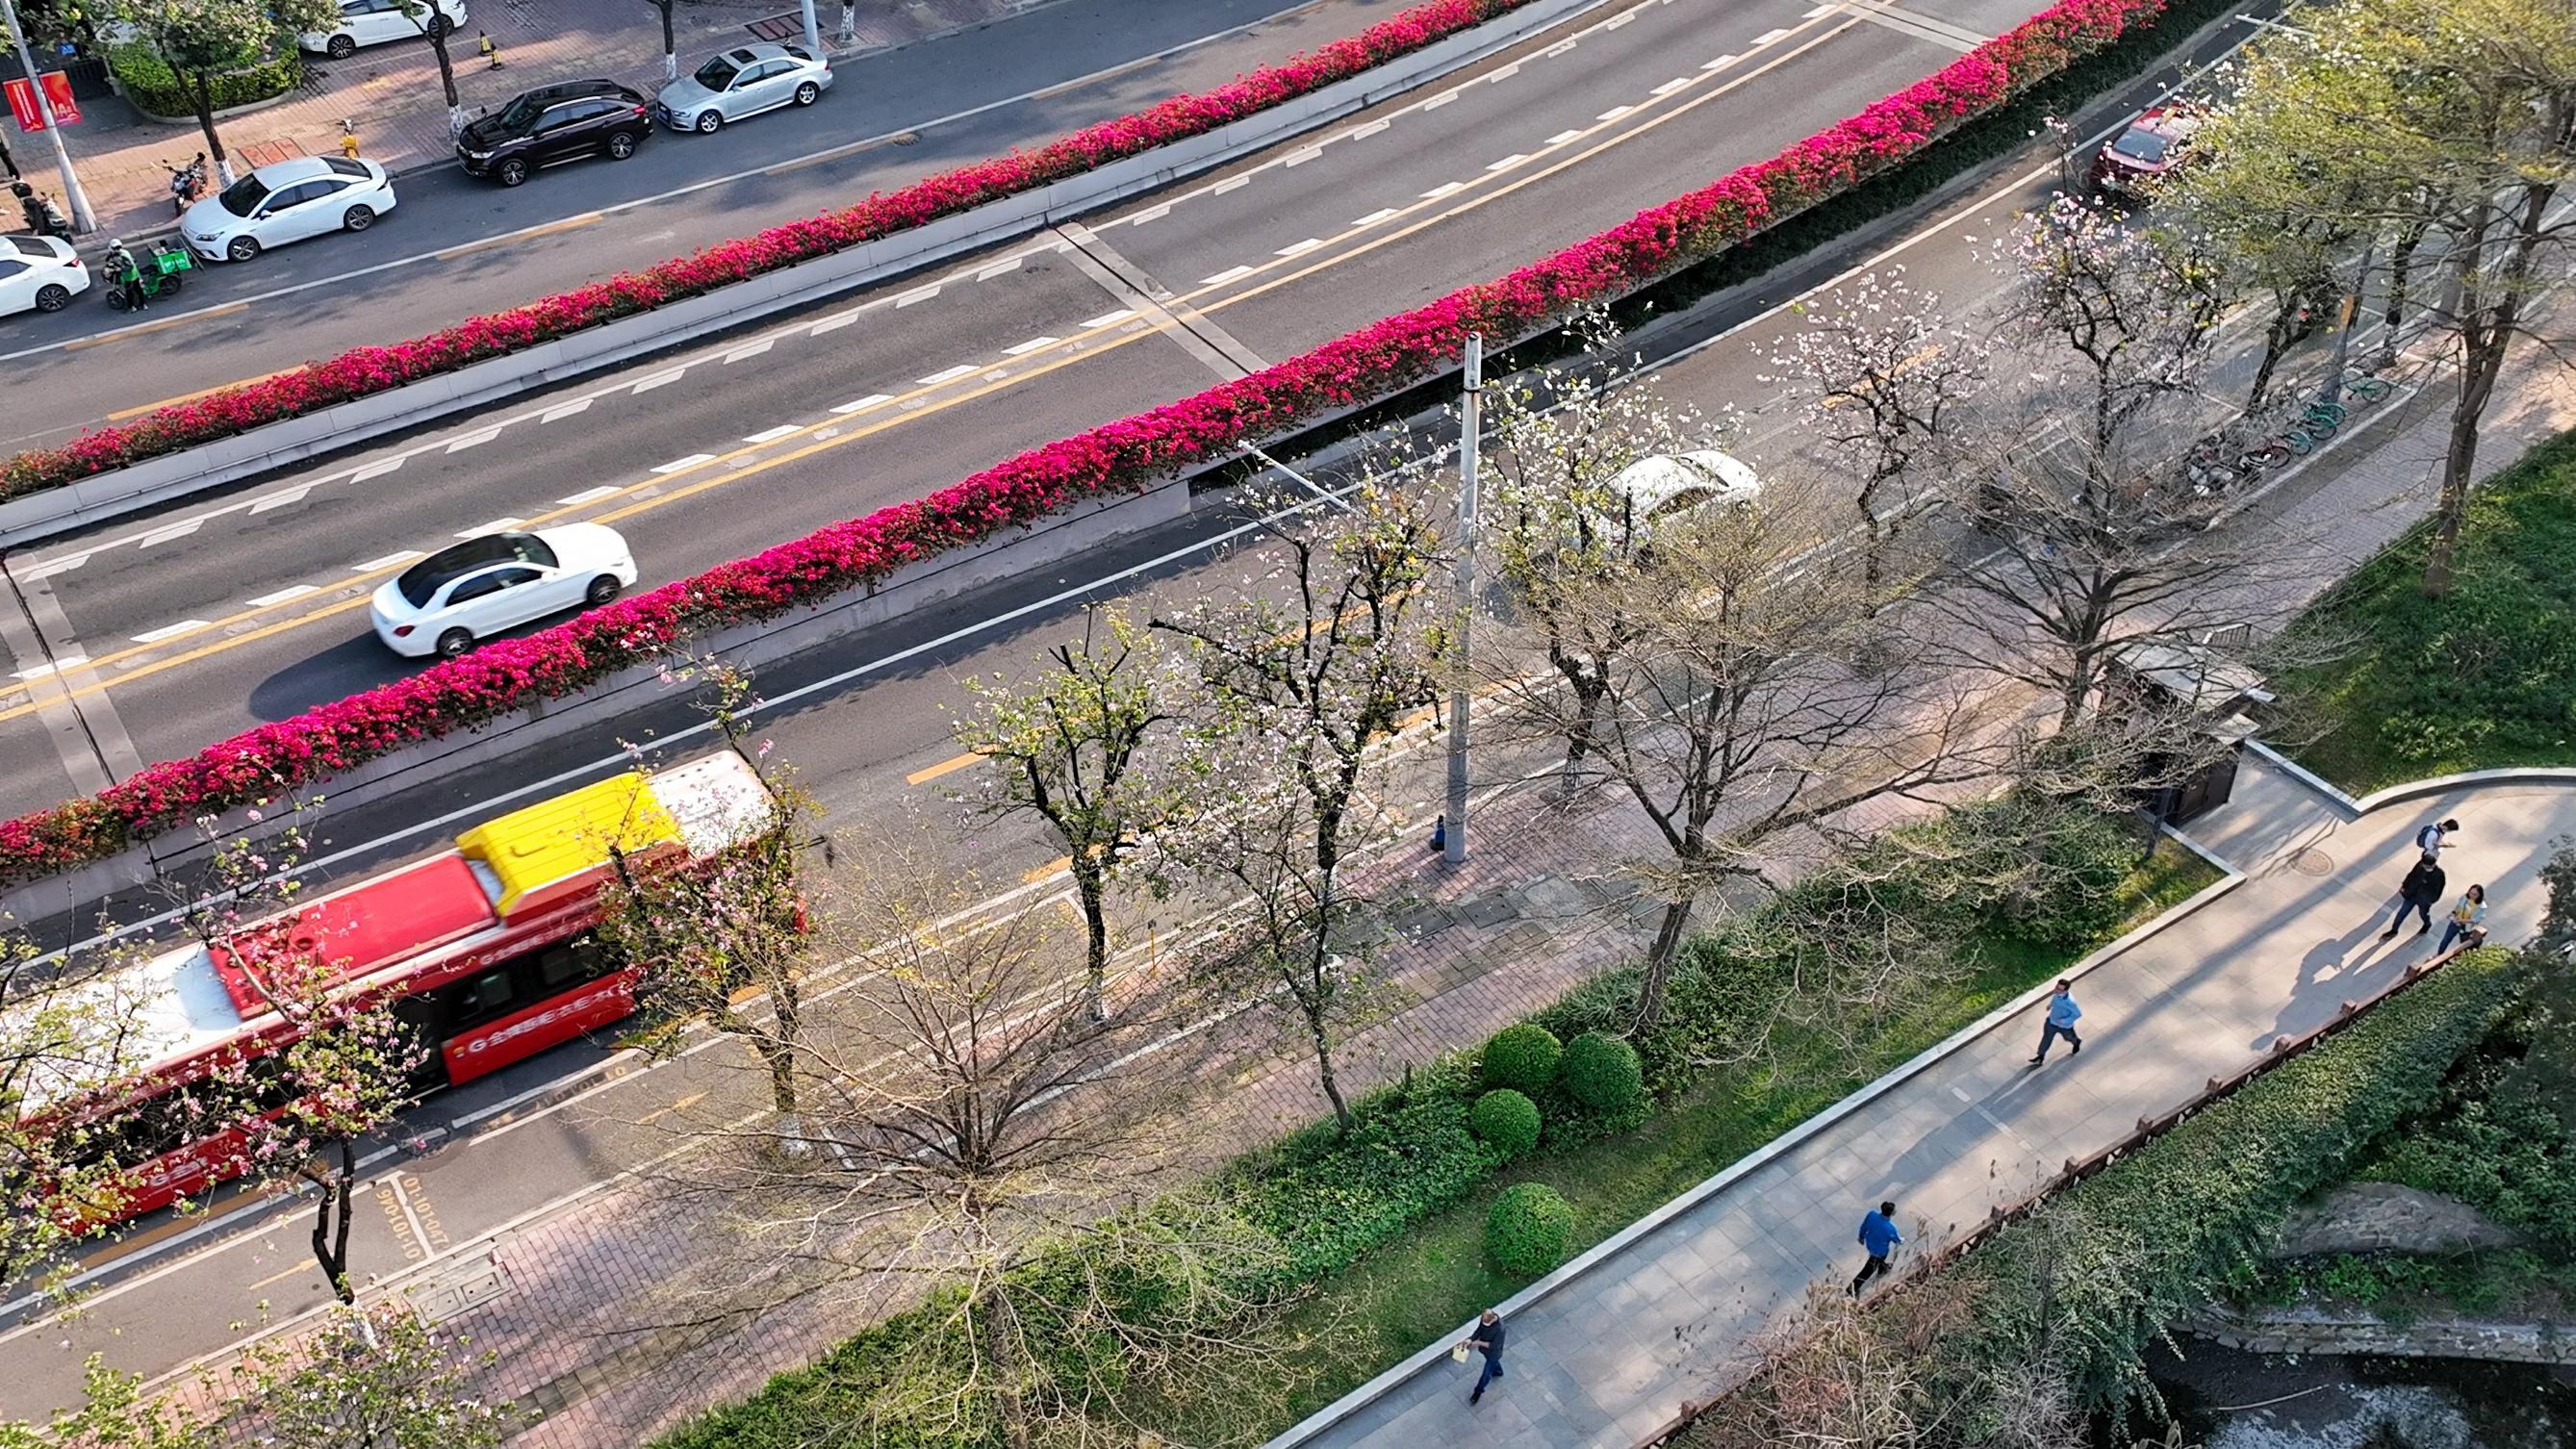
365 370
1357 368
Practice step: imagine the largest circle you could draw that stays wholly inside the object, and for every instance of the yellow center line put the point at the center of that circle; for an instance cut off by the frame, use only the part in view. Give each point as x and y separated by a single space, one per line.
842 433
944 767
83 344
1060 863
552 228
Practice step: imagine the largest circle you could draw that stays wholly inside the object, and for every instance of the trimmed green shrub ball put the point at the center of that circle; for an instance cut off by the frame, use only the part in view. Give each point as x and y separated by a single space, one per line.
1527 1230
1602 1072
1522 1057
1506 1119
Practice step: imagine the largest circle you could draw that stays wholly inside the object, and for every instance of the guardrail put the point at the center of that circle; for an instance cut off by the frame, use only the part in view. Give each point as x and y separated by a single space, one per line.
2149 1128
155 481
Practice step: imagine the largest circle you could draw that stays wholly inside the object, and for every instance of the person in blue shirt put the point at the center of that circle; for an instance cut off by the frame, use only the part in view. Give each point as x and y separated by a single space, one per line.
2062 1012
1878 1235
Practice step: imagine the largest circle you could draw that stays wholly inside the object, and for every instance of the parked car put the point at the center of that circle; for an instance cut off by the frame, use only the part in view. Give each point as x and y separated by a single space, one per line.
743 81
373 22
285 203
41 273
478 588
2152 146
554 124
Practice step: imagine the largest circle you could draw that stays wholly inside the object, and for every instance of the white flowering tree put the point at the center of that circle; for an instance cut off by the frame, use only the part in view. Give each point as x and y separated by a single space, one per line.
1758 697
714 940
65 1034
2136 308
1092 748
1297 683
1887 386
374 1378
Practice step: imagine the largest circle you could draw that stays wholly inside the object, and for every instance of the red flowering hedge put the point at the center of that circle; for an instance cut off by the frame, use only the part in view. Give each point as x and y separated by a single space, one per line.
1362 366
364 370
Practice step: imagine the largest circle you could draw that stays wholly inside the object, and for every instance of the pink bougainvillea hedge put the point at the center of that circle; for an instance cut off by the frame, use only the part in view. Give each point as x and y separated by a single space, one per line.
365 370
1362 366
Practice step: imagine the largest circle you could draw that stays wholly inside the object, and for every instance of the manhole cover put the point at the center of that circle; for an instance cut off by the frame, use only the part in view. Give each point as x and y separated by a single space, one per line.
2312 862
468 1285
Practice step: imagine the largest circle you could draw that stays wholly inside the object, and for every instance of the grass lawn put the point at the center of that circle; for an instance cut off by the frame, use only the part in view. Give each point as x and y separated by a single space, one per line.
2483 678
1392 1303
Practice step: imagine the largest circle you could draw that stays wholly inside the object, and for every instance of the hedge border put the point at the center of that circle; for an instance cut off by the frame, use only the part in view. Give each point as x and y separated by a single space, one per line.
1123 456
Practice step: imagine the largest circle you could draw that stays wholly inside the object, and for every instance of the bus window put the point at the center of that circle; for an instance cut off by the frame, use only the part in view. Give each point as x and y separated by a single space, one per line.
571 962
477 999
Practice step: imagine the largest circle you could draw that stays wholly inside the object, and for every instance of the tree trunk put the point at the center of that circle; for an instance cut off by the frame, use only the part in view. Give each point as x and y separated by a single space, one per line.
778 1046
1324 1063
201 94
2401 264
438 33
2077 688
1588 690
849 23
1009 1405
670 43
1873 562
2485 334
1659 966
2276 341
331 1221
1090 889
2478 369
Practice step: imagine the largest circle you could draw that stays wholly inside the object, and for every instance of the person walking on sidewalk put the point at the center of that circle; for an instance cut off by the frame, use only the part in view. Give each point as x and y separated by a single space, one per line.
2062 1013
1489 1337
1878 1236
2432 840
2467 914
2421 888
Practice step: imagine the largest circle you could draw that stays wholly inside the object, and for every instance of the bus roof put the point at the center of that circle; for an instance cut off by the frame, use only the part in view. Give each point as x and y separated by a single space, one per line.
362 929
557 848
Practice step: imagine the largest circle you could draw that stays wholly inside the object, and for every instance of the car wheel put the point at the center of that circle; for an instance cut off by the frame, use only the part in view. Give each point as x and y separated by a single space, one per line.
241 248
358 218
808 93
710 121
454 644
621 144
340 47
511 172
601 590
52 297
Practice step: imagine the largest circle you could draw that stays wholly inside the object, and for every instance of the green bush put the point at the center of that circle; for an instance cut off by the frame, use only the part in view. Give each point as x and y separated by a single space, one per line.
1602 1072
1527 1230
2118 1256
1506 1120
153 87
1388 1173
1522 1056
2506 1152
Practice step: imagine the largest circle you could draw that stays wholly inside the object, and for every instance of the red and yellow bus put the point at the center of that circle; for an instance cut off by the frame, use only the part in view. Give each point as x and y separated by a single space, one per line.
487 945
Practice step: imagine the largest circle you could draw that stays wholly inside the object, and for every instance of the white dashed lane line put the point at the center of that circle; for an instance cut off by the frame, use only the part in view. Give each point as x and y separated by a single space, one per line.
1023 349
680 464
1670 86
946 374
280 500
170 631
862 404
474 440
771 435
1508 162
498 525
1228 275
174 531
750 350
575 408
67 662
1445 188
1296 247
386 562
917 294
1721 63
1105 318
291 591
376 470
575 500
1614 113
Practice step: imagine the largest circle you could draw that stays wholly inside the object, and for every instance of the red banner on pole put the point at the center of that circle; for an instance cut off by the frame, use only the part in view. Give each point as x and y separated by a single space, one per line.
58 92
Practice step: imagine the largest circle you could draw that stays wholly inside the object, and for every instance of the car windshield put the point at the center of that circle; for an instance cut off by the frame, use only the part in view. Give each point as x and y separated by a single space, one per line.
716 74
244 196
521 111
422 580
2142 145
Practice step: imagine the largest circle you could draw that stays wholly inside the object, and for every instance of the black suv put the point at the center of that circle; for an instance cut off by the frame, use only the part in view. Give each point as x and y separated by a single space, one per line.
553 124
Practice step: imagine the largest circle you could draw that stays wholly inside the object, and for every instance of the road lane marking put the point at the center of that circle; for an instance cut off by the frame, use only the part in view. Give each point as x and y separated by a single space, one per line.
772 435
84 344
749 350
291 591
1383 213
1296 247
862 404
1106 319
174 531
945 767
1300 158
1035 874
1768 36
169 631
551 228
682 1105
575 500
1508 162
659 379
1445 188
1723 61
1008 264
1679 82
574 408
47 671
280 500
376 470
386 562
1034 344
473 440
947 374
682 465
498 525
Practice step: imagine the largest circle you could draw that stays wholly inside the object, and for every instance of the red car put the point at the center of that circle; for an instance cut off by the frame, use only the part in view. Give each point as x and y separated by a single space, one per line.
2153 145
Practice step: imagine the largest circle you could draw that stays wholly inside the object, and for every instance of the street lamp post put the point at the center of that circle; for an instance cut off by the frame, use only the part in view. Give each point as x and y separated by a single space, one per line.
813 30
77 199
1453 844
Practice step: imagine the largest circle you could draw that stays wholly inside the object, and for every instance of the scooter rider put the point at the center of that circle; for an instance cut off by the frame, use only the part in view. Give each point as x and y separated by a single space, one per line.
121 272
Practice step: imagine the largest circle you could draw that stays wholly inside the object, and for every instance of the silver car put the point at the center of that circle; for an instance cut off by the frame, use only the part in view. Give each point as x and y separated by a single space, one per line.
743 81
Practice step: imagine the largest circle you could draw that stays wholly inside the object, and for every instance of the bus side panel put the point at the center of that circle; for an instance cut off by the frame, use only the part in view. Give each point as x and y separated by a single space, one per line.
495 1044
190 1171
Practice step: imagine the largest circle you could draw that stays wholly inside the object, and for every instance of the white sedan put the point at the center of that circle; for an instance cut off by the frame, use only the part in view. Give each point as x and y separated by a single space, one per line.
1651 490
373 22
285 203
444 603
743 81
39 272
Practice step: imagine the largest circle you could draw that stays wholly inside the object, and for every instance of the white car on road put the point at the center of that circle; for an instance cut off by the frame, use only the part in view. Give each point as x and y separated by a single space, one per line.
39 272
743 81
287 202
478 588
373 22
1651 490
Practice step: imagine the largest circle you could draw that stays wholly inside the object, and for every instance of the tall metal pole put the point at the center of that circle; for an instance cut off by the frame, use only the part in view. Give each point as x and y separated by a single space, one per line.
78 199
813 30
1453 847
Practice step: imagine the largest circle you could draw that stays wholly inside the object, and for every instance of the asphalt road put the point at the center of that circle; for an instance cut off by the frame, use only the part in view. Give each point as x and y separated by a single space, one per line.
147 639
867 723
457 246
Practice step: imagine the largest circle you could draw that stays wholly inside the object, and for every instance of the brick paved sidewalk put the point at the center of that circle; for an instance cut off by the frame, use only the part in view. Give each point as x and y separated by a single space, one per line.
392 94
